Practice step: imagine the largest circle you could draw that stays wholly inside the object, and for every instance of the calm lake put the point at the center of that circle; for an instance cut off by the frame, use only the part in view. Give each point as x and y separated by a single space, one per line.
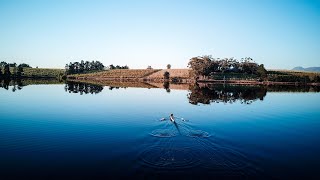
86 131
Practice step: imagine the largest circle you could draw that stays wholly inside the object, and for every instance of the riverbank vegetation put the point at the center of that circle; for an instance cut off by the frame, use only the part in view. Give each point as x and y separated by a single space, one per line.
206 68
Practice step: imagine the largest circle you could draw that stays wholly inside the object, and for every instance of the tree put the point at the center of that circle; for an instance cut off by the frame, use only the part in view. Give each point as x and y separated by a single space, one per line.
166 86
24 65
7 72
168 66
81 66
166 75
0 71
206 66
71 69
2 64
262 72
76 67
200 65
111 66
20 70
248 66
125 67
87 66
14 65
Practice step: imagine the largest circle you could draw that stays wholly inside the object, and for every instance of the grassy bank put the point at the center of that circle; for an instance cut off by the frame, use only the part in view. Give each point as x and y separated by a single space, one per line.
41 73
293 76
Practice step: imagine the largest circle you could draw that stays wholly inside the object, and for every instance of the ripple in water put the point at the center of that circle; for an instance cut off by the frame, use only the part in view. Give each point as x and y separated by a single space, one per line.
218 158
228 159
197 133
169 158
163 133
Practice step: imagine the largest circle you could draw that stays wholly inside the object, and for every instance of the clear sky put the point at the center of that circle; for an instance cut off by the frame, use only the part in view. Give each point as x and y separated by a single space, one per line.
281 34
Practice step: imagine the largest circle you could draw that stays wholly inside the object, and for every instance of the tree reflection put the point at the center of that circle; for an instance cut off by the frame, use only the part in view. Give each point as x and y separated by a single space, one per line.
82 88
209 93
7 83
166 86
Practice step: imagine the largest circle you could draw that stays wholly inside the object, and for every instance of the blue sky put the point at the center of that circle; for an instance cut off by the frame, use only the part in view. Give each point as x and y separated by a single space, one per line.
281 34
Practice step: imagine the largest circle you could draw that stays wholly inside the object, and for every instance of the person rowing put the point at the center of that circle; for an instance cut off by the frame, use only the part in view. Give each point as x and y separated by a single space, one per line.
171 117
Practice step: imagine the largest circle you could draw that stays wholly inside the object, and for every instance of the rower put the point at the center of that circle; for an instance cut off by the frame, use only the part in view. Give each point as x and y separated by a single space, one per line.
172 117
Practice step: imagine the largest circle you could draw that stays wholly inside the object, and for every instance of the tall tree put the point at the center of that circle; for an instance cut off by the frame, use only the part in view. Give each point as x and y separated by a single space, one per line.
7 72
14 65
20 70
262 72
200 65
2 64
81 66
87 66
166 75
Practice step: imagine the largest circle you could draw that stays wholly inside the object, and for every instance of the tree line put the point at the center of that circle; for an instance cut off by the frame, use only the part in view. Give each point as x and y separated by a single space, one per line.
83 67
111 66
207 65
12 70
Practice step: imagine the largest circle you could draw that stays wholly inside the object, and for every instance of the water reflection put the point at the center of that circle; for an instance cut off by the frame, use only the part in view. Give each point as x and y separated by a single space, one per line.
18 84
82 88
283 88
6 83
209 93
166 86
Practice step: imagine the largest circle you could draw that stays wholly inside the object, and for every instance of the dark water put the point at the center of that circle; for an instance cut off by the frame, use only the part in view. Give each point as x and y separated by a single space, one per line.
81 131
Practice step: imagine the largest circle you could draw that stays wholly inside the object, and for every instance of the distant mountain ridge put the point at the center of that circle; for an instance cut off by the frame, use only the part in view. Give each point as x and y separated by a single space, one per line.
309 69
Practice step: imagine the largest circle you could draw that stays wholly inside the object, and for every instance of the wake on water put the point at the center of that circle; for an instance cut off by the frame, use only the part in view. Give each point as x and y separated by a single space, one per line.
179 126
201 151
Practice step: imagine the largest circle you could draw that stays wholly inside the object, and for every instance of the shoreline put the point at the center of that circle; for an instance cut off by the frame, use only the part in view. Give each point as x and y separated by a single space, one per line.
190 81
184 76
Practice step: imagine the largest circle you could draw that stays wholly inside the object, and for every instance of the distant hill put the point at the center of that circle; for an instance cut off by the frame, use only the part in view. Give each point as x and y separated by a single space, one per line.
309 69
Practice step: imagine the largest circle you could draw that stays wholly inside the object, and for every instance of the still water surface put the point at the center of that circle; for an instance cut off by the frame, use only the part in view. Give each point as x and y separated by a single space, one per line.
86 131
